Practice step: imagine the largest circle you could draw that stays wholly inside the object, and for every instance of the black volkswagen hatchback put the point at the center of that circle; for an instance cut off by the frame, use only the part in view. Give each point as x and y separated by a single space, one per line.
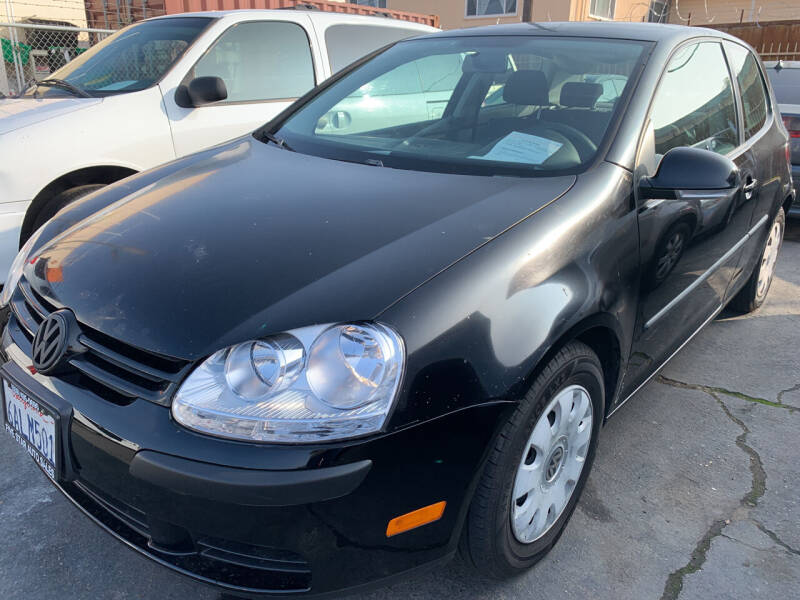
392 322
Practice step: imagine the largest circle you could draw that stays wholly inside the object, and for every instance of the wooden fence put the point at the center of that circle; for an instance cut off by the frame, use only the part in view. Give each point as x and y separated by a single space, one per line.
773 40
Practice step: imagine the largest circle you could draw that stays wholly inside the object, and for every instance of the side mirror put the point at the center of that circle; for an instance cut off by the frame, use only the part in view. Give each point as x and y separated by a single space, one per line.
685 169
201 91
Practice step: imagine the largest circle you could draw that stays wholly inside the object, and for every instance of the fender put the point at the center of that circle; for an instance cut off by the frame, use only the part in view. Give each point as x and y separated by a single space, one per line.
566 270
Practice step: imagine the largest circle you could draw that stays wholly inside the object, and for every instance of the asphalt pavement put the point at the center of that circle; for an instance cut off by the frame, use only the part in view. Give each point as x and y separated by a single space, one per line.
695 492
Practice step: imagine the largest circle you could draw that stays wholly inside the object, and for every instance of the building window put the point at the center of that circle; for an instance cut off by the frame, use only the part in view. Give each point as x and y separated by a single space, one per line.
372 3
490 8
602 9
659 11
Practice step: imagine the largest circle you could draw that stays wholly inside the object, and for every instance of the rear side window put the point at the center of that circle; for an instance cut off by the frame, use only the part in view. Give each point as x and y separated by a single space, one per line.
268 60
751 86
347 43
694 105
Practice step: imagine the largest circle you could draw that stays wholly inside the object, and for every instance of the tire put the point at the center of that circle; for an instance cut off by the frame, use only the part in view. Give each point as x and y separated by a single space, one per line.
490 542
668 252
754 292
59 201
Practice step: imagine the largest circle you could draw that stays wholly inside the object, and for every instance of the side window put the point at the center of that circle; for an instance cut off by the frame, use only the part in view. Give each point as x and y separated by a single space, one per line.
694 104
347 43
751 86
265 60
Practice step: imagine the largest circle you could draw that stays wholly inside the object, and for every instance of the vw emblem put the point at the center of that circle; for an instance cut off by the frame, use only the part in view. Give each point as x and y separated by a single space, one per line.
51 342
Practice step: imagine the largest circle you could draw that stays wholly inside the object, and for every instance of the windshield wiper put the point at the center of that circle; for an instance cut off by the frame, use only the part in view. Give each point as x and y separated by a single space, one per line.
279 142
64 85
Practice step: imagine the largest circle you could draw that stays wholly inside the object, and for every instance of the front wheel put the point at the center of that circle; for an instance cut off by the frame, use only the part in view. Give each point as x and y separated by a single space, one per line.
59 201
754 292
538 466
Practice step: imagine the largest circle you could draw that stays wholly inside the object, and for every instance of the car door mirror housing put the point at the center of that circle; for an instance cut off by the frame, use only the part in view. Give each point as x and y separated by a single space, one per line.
201 91
686 168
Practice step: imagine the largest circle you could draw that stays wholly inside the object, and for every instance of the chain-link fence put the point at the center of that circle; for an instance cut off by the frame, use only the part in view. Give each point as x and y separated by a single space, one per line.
32 52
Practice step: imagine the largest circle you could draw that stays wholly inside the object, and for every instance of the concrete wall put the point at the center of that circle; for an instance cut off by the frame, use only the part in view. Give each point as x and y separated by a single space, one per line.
730 11
624 10
67 11
452 13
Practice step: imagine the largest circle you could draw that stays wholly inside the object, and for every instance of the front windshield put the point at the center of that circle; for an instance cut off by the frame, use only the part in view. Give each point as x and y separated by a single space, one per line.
491 105
132 59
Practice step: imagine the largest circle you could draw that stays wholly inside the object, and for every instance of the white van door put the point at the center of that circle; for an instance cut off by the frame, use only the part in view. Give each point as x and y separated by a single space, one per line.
265 65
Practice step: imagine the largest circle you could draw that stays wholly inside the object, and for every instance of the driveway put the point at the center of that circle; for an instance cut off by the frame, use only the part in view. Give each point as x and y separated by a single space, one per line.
695 492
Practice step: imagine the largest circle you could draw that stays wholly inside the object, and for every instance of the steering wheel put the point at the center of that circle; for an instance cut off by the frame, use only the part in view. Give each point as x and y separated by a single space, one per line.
584 146
446 125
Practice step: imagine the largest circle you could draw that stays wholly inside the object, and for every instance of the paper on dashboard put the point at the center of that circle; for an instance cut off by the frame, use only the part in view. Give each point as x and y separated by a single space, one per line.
519 147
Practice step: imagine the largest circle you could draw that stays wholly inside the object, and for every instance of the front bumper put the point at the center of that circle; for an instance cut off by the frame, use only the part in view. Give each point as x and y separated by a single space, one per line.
262 519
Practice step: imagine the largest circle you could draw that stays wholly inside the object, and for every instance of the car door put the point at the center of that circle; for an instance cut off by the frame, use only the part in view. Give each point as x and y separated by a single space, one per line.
689 246
265 66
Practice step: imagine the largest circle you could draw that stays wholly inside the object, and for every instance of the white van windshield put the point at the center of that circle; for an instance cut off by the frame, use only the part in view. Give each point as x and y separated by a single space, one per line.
132 59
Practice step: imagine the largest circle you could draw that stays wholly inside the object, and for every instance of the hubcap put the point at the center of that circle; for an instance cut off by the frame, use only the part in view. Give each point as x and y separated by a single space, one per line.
554 464
672 252
769 258
551 464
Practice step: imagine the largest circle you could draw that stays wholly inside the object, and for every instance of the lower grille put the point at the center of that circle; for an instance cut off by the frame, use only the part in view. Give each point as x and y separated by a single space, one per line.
107 367
234 565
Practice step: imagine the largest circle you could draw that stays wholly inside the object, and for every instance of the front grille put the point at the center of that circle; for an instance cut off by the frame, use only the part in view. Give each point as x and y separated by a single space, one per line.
107 367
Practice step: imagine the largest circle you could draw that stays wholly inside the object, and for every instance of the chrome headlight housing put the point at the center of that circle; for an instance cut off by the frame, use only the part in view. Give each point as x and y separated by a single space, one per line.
15 272
313 384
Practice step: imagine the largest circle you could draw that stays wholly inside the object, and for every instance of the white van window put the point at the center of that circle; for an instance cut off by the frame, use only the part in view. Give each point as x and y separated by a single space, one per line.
347 43
264 60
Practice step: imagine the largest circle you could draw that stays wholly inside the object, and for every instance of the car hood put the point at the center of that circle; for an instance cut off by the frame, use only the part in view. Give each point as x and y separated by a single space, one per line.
21 112
250 239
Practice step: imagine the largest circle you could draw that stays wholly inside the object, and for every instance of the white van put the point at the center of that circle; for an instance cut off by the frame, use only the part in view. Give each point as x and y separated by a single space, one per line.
161 89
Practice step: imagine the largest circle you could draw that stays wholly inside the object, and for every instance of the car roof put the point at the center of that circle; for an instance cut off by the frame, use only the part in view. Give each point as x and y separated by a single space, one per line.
653 32
318 17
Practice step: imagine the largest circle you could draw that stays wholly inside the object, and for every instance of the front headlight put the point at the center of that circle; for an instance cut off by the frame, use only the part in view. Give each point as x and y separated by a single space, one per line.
312 384
15 272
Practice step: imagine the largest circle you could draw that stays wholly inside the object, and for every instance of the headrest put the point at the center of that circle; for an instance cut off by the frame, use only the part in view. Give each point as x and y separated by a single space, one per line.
527 87
583 94
485 62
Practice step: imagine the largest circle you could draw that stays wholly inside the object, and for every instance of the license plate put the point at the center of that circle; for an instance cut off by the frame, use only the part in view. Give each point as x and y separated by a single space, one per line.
33 425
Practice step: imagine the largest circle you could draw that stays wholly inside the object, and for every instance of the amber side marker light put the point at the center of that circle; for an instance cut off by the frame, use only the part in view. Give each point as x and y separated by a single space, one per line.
416 518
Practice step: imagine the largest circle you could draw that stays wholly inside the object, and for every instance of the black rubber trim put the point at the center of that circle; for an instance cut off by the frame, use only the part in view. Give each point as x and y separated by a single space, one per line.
247 486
